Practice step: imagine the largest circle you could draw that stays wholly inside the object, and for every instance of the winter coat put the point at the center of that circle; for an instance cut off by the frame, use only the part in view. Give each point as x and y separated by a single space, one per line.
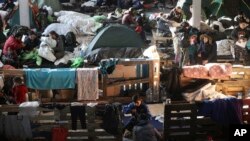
207 50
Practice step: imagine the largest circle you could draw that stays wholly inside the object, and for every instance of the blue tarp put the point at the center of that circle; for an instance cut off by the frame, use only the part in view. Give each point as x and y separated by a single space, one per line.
223 111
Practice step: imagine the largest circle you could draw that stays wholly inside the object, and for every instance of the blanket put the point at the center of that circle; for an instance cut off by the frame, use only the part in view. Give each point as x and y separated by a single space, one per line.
44 79
210 70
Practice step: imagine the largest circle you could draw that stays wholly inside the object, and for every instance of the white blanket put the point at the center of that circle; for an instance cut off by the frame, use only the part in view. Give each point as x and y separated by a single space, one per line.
207 92
82 22
60 28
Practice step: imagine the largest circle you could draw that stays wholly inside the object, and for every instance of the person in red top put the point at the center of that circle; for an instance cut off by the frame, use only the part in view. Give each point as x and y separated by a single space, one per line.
19 91
11 46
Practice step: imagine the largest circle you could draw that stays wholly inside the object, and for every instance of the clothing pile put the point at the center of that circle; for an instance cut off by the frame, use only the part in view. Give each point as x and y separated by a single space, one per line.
207 92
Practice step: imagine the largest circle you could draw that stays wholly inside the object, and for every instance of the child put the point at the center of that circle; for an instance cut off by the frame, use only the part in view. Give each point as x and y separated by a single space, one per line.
206 49
192 49
19 91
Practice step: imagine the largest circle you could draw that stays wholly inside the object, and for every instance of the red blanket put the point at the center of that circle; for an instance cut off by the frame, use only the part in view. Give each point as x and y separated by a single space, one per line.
211 70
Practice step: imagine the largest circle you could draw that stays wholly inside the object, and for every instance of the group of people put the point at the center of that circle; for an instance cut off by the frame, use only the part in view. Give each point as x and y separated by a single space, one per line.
15 46
193 46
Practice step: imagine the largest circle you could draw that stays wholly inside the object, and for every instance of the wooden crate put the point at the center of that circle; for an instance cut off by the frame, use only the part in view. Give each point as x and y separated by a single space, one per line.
181 122
232 87
241 72
153 79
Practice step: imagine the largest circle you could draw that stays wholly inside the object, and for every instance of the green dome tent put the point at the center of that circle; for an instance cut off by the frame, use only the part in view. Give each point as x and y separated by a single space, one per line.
116 41
116 36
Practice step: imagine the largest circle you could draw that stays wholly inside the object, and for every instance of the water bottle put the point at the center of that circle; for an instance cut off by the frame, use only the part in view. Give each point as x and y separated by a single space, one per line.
248 93
239 96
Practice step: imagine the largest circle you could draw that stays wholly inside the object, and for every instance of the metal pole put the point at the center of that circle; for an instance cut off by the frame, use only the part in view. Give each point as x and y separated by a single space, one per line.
196 14
24 12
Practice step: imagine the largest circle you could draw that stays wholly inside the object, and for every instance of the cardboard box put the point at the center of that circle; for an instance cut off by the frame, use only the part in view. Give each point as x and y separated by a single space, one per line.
113 91
67 94
123 71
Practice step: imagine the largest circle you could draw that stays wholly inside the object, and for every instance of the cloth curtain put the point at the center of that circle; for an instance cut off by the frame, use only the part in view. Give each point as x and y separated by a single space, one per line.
87 83
44 79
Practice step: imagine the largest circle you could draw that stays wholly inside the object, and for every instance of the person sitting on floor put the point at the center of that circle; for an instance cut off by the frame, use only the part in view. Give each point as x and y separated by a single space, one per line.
136 108
12 45
145 131
19 91
175 15
59 49
162 26
128 17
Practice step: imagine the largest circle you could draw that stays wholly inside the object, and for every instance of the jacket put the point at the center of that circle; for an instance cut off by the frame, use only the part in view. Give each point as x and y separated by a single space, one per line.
12 44
143 108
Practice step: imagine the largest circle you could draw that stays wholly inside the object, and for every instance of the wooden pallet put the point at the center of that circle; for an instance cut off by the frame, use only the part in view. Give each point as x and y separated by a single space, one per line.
242 72
246 111
181 122
232 87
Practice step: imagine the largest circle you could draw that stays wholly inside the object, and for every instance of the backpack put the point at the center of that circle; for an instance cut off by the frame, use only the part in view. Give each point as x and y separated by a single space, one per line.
70 41
111 119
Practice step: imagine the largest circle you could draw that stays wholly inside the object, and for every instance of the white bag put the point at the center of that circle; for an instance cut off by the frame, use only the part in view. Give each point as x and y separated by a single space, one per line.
49 41
60 29
46 52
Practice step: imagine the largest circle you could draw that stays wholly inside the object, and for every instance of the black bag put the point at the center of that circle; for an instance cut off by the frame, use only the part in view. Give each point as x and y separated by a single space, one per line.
173 87
111 119
70 41
70 38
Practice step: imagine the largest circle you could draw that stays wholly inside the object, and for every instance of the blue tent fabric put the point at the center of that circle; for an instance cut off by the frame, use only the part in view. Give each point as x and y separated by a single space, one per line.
44 79
223 111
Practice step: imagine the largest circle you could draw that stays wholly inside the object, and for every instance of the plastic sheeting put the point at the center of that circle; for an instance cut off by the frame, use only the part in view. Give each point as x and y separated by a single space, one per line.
105 53
82 22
